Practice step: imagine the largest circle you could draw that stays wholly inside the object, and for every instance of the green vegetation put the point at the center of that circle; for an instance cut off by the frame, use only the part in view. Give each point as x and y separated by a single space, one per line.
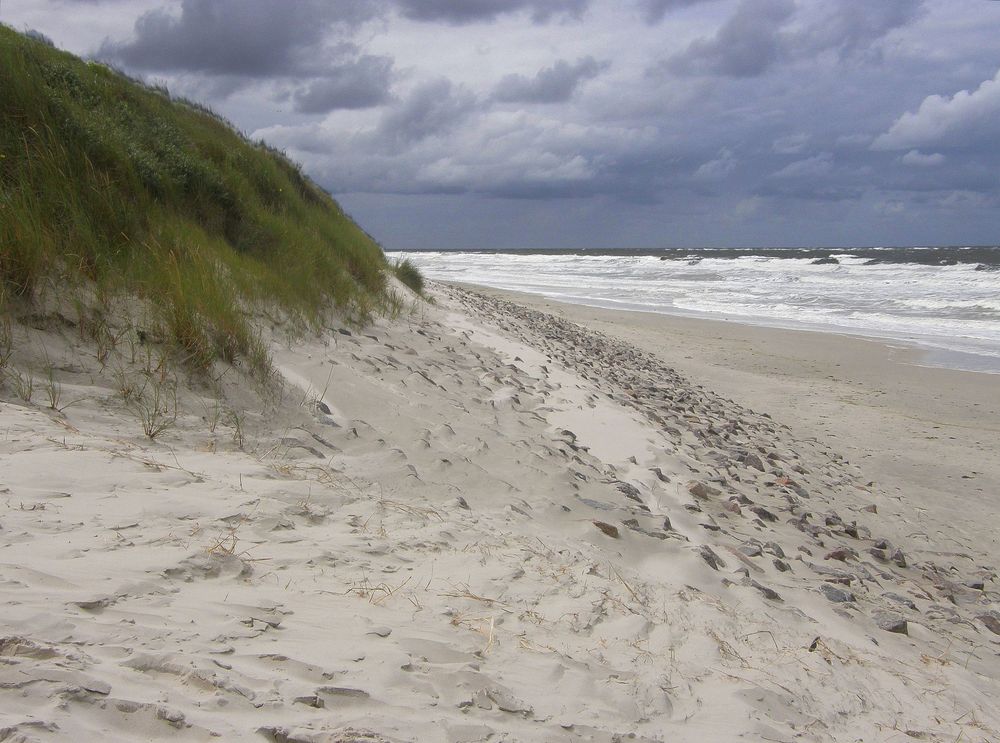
409 274
106 183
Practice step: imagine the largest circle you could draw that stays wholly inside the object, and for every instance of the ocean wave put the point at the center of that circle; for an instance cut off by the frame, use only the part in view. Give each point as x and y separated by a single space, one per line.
907 296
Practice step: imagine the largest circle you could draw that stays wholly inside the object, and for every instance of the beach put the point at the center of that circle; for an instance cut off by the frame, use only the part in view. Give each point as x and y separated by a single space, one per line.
918 431
497 517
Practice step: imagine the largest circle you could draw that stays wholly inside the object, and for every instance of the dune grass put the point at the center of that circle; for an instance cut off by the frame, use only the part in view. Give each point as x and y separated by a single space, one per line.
409 274
108 183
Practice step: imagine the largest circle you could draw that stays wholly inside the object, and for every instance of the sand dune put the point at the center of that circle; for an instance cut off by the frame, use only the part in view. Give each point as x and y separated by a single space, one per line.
479 522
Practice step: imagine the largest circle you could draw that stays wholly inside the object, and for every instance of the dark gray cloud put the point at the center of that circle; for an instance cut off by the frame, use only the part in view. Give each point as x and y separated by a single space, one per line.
433 108
850 28
458 12
362 83
746 44
553 84
761 33
235 37
653 11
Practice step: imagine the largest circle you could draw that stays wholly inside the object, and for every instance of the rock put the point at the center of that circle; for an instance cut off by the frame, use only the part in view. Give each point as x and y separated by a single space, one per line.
900 600
764 514
611 531
633 524
751 549
380 631
768 592
733 507
667 526
878 554
899 558
774 548
659 474
709 556
891 622
976 584
781 565
870 508
323 407
462 503
752 460
701 490
991 620
836 595
629 491
841 553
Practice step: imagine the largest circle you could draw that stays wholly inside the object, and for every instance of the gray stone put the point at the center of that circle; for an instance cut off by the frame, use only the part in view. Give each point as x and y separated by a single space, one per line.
629 491
751 549
709 556
611 531
891 622
774 548
895 597
768 592
991 620
702 490
836 595
764 514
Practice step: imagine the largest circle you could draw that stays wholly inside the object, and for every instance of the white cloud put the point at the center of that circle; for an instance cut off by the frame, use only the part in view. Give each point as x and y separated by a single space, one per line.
942 121
810 167
718 168
918 158
793 144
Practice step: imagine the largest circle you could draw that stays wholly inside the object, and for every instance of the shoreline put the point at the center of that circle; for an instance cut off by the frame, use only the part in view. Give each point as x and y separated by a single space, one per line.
917 431
929 354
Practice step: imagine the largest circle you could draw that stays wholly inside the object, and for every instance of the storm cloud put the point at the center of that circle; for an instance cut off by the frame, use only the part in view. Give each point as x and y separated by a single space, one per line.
574 123
234 37
471 11
363 83
553 84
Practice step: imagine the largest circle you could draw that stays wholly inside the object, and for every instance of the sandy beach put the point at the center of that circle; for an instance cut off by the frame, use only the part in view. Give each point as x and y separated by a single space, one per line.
482 521
918 431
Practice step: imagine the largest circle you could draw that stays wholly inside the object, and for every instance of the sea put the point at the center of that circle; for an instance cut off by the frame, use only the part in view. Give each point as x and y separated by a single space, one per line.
943 300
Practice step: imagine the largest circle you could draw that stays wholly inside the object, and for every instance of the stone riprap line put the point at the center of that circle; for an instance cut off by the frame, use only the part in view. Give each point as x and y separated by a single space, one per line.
470 523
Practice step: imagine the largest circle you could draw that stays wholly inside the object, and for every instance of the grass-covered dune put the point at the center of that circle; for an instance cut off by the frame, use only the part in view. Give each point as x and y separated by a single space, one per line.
114 186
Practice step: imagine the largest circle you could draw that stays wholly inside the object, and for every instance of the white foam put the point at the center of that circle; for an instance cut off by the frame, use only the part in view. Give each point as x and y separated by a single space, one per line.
954 308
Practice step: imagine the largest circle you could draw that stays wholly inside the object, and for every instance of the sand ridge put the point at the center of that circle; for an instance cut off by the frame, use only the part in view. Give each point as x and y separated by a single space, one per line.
430 537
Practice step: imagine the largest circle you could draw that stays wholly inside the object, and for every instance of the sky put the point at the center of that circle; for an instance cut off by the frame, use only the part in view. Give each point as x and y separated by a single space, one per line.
594 123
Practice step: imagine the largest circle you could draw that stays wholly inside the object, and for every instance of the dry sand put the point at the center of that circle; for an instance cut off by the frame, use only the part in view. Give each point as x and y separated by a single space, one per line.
477 523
